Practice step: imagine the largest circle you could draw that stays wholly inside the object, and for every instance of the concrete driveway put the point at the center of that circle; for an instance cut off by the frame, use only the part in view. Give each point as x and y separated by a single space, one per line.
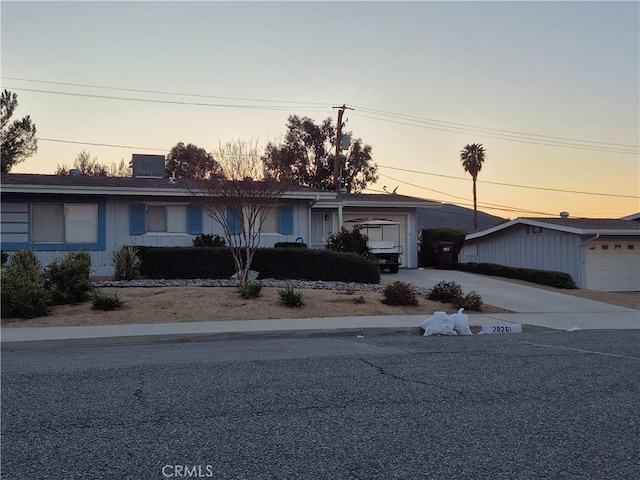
531 305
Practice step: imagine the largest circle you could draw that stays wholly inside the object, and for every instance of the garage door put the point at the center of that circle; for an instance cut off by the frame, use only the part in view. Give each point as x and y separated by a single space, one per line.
349 218
613 266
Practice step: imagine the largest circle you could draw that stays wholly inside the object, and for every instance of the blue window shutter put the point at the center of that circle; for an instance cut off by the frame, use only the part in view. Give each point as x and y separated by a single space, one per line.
194 219
137 219
234 222
286 220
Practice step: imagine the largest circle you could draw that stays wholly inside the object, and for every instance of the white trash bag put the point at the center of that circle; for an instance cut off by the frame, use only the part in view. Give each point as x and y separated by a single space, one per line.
461 323
442 324
438 324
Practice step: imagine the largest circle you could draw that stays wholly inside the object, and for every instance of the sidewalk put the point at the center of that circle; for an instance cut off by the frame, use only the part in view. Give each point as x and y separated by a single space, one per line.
35 337
534 308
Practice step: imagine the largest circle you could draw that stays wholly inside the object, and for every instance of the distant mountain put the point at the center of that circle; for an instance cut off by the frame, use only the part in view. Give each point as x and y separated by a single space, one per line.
454 216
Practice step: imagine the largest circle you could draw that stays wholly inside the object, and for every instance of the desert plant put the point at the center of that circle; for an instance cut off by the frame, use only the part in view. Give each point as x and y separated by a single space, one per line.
445 292
24 291
104 301
208 240
68 279
290 297
399 293
250 290
360 299
126 263
470 301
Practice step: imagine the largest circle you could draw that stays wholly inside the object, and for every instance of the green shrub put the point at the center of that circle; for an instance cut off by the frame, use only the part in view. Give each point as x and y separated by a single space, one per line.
68 279
105 302
26 260
541 277
208 240
445 292
348 241
24 291
470 301
278 263
399 293
126 263
250 290
290 245
290 297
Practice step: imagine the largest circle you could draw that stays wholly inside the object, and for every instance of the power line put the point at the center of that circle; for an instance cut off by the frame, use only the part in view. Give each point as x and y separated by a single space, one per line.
509 137
513 185
148 100
423 122
101 144
160 92
495 206
454 124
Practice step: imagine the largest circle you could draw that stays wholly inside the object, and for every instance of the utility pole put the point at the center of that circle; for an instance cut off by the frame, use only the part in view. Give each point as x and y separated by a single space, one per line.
336 163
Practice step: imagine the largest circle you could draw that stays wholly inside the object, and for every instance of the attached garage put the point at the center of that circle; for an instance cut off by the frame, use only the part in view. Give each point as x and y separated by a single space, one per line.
613 265
600 254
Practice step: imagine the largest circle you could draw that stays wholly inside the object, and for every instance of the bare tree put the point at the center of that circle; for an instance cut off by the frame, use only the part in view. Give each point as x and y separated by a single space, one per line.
239 201
92 167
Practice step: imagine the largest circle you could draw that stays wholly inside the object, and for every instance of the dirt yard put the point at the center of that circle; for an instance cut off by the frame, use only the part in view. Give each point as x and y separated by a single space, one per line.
198 304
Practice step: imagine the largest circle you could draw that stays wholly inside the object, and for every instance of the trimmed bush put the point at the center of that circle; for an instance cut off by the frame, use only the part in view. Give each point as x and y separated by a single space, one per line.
445 292
106 302
290 245
126 263
24 291
208 240
290 297
541 277
250 290
68 279
399 293
470 301
278 263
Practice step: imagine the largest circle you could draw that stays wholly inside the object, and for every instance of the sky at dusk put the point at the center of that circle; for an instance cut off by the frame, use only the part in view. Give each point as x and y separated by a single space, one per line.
551 89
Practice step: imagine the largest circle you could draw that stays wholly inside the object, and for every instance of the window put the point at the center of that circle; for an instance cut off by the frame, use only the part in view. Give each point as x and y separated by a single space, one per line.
64 223
533 229
285 224
165 218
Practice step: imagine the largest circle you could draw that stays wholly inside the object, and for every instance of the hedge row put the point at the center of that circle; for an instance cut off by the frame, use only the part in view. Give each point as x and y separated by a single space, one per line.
541 277
279 263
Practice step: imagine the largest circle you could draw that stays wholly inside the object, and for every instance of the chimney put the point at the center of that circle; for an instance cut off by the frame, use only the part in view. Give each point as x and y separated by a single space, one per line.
564 214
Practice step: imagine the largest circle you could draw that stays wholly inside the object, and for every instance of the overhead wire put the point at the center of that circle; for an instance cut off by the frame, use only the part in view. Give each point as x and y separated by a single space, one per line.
512 184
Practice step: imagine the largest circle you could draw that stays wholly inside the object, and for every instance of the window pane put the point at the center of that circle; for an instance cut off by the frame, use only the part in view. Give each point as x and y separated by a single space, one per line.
47 222
176 218
156 219
81 223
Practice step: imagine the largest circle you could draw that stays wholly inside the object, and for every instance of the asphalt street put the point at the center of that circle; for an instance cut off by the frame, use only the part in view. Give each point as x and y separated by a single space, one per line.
547 405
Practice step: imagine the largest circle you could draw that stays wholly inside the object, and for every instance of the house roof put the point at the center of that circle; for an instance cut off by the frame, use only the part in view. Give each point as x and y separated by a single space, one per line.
578 226
379 200
130 186
634 216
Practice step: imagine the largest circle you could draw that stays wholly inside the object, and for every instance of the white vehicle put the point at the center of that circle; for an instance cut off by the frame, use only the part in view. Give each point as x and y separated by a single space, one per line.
383 242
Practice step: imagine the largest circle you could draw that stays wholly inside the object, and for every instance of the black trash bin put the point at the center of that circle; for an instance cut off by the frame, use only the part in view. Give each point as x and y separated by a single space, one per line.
443 255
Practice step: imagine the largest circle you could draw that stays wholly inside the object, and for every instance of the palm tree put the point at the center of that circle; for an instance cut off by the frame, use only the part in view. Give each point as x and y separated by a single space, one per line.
472 157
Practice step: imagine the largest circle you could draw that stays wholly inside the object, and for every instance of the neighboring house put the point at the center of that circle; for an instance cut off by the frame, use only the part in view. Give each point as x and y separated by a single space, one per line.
600 254
453 216
347 209
54 214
